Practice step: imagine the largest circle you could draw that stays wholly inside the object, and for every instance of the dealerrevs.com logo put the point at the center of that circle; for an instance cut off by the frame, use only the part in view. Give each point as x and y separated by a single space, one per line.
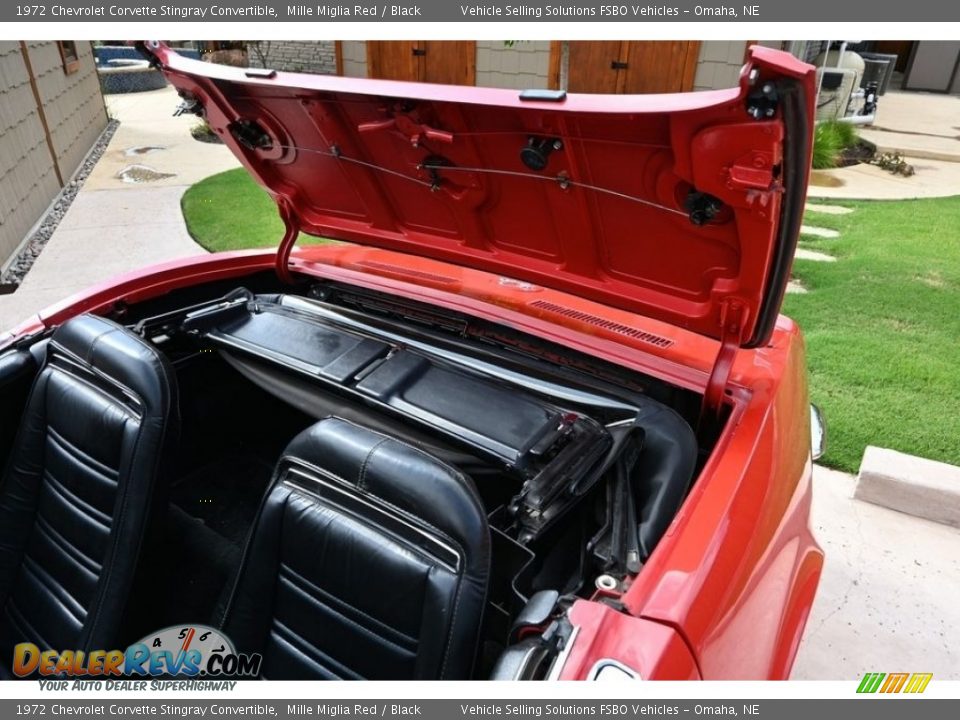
179 651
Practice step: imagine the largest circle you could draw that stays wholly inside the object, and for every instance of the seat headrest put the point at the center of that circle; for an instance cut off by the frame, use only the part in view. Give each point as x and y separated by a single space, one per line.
403 476
114 352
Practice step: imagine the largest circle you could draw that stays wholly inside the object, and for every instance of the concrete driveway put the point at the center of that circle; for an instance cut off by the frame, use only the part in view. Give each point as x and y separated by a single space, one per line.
917 124
922 127
888 596
114 226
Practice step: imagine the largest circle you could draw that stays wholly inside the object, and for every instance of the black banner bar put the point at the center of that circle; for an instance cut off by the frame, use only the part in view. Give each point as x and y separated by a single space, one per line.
618 709
829 11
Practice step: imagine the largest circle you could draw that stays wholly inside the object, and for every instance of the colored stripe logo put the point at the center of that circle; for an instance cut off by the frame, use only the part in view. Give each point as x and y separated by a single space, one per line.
894 683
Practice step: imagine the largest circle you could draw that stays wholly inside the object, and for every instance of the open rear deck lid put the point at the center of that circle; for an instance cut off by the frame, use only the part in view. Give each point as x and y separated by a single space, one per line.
682 207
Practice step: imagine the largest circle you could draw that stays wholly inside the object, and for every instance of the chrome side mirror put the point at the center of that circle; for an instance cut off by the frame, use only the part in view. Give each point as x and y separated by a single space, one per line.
818 433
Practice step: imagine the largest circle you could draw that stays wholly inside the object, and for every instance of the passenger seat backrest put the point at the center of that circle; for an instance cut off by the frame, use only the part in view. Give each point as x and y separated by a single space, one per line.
368 560
81 485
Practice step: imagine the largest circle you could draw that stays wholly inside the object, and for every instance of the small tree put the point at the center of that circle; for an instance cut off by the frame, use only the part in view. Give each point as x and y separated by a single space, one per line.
261 50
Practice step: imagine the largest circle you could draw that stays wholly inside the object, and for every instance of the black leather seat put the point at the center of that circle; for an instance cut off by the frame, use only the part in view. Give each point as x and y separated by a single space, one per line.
79 490
369 559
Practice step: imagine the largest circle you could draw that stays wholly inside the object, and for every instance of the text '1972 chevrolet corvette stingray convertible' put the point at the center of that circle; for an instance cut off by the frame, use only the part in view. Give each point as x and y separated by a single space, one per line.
536 416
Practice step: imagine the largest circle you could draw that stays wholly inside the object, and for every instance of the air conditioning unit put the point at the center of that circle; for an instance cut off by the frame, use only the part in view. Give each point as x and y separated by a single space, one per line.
836 88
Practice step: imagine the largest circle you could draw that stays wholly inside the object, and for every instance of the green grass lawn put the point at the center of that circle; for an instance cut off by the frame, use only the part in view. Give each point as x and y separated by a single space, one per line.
882 324
229 211
883 328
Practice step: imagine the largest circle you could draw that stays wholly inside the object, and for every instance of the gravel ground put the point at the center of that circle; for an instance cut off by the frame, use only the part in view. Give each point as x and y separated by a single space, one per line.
24 260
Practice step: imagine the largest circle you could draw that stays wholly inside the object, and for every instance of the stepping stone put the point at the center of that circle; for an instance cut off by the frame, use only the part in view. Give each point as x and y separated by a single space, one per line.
142 174
802 254
795 288
829 209
818 231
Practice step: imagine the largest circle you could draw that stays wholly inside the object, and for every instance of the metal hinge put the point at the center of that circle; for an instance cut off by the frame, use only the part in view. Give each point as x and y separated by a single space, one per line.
188 104
733 318
291 224
762 102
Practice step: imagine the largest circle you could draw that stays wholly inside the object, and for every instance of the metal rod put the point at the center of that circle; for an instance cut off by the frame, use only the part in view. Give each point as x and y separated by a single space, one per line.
336 154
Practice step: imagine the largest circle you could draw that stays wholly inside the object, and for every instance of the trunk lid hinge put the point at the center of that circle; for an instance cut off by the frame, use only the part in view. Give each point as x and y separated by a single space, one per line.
291 224
733 318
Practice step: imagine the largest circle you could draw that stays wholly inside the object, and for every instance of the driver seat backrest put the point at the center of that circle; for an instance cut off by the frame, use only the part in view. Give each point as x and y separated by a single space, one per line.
368 560
82 486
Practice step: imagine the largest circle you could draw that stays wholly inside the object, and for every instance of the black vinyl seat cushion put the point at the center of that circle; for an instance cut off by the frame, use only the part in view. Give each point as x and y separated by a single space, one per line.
369 559
79 491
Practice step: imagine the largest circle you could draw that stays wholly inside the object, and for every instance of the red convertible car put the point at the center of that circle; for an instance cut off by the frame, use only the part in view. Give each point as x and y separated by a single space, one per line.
535 415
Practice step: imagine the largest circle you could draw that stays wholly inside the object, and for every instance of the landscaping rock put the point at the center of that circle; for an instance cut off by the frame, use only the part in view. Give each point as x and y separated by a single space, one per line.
142 174
912 485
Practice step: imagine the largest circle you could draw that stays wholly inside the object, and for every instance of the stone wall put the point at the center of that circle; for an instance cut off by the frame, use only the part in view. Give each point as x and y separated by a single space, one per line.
73 108
523 65
313 56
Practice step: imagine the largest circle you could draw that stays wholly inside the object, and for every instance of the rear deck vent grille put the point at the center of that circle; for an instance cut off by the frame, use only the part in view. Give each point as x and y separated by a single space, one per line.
406 273
616 327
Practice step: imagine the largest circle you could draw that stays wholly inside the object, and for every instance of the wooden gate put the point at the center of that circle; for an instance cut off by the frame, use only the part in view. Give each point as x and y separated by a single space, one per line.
630 66
435 61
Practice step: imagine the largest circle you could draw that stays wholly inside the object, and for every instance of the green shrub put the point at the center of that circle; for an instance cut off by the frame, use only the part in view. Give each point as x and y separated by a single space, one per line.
846 132
831 138
826 146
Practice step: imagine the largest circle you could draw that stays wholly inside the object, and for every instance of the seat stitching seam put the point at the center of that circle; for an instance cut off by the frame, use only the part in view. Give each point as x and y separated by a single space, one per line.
350 621
21 621
453 622
289 633
72 499
84 458
247 548
45 582
379 498
47 529
366 462
311 586
165 409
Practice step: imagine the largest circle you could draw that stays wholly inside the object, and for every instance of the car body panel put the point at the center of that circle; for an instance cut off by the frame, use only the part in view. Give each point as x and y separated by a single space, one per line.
604 634
737 570
683 207
734 577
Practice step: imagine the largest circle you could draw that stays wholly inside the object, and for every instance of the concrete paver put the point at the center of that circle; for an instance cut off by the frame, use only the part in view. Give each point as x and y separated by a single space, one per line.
804 254
887 598
818 231
828 209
